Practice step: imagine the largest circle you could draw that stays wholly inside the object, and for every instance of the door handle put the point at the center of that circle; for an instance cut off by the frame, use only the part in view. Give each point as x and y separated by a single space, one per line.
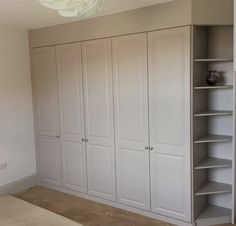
58 137
151 148
146 148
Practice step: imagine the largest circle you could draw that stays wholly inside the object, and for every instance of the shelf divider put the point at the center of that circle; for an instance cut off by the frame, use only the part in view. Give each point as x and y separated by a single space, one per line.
214 60
212 188
213 113
212 138
211 163
214 215
213 87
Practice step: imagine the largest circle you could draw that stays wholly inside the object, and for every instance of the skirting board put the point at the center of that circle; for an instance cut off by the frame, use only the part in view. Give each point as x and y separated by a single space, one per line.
19 185
118 205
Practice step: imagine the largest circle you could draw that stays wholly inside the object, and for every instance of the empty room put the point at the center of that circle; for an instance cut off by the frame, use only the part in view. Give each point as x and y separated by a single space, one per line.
117 113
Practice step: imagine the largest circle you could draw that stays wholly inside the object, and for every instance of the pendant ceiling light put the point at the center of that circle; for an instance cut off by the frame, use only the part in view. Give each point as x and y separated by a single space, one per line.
74 8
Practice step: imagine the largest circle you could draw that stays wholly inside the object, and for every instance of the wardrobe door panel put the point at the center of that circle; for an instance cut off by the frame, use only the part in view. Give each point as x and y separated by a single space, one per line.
131 120
98 91
69 70
46 93
74 165
100 167
44 66
50 160
132 177
168 178
169 82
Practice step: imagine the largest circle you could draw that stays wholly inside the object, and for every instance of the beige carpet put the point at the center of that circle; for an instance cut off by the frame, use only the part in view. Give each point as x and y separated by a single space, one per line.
16 212
85 212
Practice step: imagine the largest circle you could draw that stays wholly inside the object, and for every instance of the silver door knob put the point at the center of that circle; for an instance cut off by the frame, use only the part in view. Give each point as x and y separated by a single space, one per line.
86 140
151 148
146 148
58 137
83 140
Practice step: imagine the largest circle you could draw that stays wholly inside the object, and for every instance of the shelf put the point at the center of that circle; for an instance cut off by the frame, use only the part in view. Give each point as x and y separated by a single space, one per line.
212 163
212 188
213 113
215 213
211 138
214 60
213 87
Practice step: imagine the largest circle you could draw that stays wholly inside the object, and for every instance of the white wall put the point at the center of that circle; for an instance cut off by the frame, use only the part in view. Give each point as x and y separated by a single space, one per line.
234 35
16 114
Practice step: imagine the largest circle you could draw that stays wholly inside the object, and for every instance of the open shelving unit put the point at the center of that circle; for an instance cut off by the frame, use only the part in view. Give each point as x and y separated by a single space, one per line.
213 126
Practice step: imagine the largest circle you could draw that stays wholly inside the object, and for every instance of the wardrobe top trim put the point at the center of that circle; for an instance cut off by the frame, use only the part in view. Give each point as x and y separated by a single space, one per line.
114 36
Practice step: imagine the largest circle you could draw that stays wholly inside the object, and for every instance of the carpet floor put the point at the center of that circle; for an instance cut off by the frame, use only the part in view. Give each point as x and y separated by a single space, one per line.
85 212
16 212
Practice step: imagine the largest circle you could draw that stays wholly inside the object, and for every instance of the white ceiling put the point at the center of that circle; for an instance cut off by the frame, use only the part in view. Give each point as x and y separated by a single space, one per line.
29 14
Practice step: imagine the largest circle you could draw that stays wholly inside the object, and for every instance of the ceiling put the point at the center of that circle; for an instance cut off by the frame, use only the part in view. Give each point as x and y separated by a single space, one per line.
29 14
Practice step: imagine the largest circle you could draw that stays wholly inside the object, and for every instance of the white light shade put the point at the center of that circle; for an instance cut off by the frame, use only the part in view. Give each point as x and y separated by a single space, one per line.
73 8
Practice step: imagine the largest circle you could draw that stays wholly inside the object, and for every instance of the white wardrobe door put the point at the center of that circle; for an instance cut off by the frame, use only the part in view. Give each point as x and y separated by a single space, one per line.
69 71
50 160
44 66
131 117
169 81
99 118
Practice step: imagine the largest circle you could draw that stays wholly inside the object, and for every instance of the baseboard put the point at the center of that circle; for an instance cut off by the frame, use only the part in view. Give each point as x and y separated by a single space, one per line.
118 205
19 185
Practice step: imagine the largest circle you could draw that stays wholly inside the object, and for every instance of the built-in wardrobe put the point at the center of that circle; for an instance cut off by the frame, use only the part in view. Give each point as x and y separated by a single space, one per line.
121 120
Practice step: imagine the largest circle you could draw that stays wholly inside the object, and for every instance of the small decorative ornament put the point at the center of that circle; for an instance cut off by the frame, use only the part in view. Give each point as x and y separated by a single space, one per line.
74 8
212 77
